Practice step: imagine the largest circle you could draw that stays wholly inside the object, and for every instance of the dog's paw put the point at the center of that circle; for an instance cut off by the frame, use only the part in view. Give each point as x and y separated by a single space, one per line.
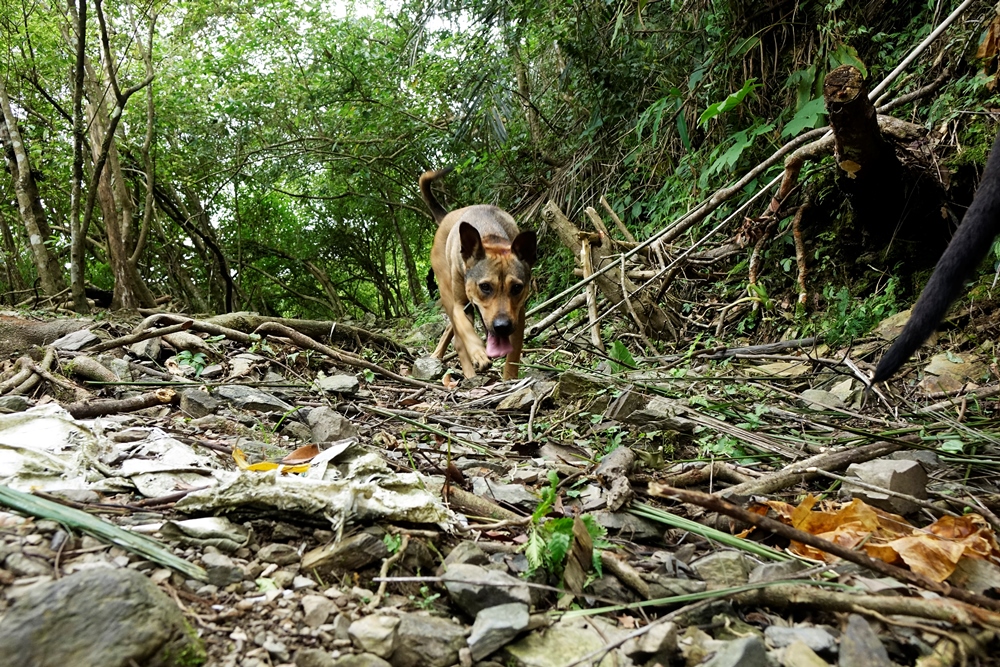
480 359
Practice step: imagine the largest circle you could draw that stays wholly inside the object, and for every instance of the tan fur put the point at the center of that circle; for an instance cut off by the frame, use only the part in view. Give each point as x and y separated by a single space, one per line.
498 256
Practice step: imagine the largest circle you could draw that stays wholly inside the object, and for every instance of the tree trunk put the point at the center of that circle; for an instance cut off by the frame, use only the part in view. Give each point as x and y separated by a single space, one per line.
412 277
28 200
77 261
15 281
871 173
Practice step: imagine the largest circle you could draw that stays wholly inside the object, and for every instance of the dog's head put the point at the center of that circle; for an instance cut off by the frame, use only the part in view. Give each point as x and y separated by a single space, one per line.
497 274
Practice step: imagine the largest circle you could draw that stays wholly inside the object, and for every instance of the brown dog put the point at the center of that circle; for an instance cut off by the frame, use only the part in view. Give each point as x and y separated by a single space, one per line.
479 256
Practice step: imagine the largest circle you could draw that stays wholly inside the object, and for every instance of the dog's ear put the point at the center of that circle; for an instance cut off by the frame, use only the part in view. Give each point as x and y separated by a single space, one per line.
472 243
525 247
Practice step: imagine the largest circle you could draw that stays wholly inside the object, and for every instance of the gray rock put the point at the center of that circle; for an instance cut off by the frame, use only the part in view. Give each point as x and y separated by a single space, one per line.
665 586
427 369
608 587
859 645
566 641
798 654
13 404
724 569
627 525
296 430
349 555
511 494
466 552
147 349
907 477
313 657
277 650
661 414
244 363
279 554
196 403
573 385
495 627
818 399
427 641
328 425
338 384
250 398
317 608
745 652
213 371
97 618
622 407
222 571
77 340
776 571
374 634
817 639
522 399
929 460
362 660
661 638
23 565
473 588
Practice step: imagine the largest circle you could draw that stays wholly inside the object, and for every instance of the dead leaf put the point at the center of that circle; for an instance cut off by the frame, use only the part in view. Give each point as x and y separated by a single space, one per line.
303 454
580 558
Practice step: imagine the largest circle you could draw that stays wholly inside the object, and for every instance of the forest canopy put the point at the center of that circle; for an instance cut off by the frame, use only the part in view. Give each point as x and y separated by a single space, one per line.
265 156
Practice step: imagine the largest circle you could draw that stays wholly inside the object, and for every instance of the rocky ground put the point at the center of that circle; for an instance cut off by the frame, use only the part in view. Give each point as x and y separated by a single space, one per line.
179 492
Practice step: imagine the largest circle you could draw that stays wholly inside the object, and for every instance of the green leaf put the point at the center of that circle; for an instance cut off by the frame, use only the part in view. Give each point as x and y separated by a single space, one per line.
952 447
729 103
808 117
622 356
534 550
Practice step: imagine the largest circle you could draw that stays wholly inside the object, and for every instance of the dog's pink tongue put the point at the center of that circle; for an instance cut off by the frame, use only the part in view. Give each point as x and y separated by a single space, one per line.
498 346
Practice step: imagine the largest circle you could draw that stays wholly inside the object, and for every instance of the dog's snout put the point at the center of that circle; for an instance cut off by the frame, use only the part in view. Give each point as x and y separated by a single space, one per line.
502 326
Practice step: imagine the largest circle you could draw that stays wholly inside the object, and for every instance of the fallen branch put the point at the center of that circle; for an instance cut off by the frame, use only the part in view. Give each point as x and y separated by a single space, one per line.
91 409
716 504
304 341
139 336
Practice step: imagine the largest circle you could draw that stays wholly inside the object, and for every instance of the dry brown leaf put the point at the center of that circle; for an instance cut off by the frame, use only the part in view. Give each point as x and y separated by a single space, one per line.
303 454
580 558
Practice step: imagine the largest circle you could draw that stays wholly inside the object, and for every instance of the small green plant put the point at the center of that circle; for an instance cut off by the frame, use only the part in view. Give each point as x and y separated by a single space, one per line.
849 318
622 358
426 599
392 542
196 360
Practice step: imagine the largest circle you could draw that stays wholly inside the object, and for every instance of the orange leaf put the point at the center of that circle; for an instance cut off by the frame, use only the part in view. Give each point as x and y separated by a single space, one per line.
303 454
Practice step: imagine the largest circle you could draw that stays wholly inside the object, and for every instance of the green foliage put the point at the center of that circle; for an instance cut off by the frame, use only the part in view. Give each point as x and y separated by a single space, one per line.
623 359
549 544
728 104
195 360
848 318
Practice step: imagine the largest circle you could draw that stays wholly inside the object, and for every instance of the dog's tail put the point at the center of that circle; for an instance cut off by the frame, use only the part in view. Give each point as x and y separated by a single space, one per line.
437 210
966 250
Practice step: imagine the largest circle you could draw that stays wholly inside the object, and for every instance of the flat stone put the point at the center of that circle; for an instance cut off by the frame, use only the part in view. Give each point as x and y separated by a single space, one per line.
511 494
22 565
776 571
250 398
374 634
328 425
661 638
147 349
906 477
817 639
427 641
338 384
349 555
473 588
425 333
279 554
798 654
745 652
313 657
221 569
427 369
296 430
628 525
197 403
573 385
522 399
621 408
565 642
317 609
859 645
665 586
466 552
819 400
362 660
101 616
661 414
724 569
13 403
242 364
76 340
495 627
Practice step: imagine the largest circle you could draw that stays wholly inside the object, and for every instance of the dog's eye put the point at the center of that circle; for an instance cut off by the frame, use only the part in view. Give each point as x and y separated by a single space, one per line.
486 288
516 289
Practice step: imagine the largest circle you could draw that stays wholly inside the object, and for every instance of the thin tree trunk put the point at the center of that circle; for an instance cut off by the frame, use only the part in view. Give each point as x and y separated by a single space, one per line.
29 202
412 277
15 281
77 262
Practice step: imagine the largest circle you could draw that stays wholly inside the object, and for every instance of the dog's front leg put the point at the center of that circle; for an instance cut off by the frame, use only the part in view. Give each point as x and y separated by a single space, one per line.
442 345
512 367
471 351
